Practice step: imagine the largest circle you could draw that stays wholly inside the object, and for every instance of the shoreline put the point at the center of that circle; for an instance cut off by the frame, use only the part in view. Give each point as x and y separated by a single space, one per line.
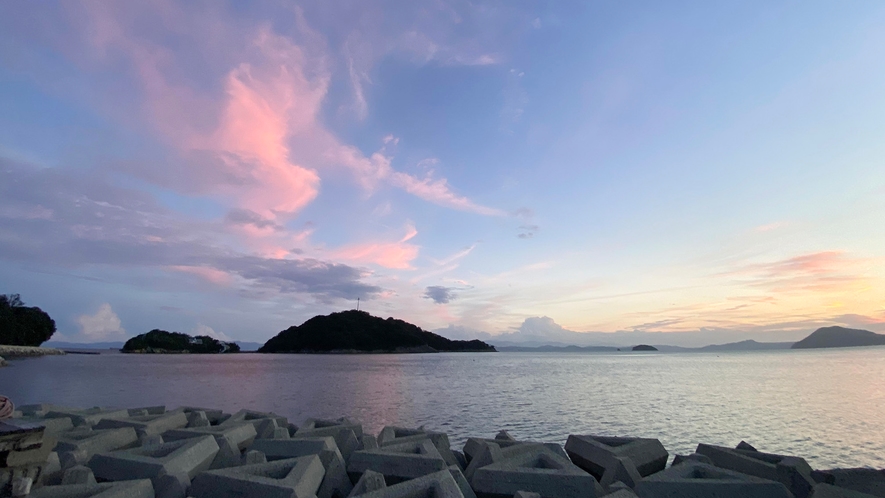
8 351
150 452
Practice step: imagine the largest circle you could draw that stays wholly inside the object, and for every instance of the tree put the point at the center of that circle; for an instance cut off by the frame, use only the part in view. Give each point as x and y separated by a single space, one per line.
21 325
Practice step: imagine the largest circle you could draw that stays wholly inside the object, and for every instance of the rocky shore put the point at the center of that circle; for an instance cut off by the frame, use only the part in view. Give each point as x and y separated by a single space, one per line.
49 451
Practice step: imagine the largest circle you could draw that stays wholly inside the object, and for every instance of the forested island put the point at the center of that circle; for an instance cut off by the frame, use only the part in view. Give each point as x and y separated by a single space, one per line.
359 332
161 341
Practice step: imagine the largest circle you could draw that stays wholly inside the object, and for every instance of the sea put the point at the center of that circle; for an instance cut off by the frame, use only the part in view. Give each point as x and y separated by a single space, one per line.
827 406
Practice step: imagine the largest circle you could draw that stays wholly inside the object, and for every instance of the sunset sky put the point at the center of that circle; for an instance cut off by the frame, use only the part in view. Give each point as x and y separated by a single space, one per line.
234 168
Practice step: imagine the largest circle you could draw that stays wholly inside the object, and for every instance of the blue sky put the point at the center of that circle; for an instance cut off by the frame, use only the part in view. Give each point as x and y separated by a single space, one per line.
236 168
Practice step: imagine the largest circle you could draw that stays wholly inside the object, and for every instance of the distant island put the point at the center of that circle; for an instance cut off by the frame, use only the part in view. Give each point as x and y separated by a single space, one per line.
161 341
840 337
359 332
644 347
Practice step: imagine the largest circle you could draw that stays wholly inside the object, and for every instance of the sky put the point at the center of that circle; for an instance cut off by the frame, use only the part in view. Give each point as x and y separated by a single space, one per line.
474 167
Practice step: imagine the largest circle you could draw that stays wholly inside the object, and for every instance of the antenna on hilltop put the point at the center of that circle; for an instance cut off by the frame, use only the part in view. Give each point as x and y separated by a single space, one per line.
357 304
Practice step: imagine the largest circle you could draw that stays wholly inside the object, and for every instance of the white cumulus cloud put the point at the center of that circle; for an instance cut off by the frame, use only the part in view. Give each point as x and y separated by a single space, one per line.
201 329
103 325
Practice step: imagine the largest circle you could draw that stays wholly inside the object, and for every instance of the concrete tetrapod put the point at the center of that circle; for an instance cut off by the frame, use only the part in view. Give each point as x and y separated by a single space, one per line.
91 442
398 462
435 485
292 478
88 417
369 481
141 488
147 424
474 445
792 472
348 435
232 440
188 456
830 491
699 480
395 435
541 471
596 453
870 481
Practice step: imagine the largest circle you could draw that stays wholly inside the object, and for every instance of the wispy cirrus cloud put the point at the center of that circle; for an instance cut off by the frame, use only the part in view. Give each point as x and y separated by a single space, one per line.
817 271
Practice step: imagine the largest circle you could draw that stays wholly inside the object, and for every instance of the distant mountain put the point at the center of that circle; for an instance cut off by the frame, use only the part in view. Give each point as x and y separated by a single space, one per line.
359 332
544 331
83 345
248 346
749 345
557 349
840 337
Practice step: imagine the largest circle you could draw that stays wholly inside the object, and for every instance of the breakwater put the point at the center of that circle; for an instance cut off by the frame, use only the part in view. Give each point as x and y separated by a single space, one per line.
53 451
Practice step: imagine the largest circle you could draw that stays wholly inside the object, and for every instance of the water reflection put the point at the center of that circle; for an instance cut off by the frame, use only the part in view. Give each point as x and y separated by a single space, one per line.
825 405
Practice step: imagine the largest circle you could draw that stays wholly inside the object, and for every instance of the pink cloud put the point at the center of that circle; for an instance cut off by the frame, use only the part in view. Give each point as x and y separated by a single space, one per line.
818 271
206 273
395 255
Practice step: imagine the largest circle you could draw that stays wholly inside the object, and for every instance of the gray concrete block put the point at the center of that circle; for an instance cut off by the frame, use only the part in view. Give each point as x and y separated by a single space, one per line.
72 458
214 416
622 493
171 485
280 433
792 472
743 445
142 488
345 436
505 436
256 418
280 449
541 471
197 419
397 435
693 457
79 474
461 481
830 491
50 425
336 483
368 442
240 435
369 481
870 481
188 456
526 494
41 409
51 473
398 461
435 485
150 440
595 453
149 410
252 457
291 478
148 424
699 480
96 441
474 446
316 425
623 471
89 416
492 452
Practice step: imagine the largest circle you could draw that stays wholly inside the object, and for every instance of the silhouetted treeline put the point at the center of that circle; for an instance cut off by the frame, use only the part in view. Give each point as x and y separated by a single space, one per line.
22 325
359 331
161 341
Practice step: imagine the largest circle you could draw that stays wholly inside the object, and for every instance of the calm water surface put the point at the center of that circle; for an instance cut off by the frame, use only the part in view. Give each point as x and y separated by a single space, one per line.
825 405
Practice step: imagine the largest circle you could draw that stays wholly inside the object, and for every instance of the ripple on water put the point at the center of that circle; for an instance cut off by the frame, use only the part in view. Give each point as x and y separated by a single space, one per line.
823 405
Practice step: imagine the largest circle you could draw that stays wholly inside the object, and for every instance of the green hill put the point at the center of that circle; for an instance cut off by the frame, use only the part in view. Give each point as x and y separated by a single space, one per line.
840 337
160 341
359 332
